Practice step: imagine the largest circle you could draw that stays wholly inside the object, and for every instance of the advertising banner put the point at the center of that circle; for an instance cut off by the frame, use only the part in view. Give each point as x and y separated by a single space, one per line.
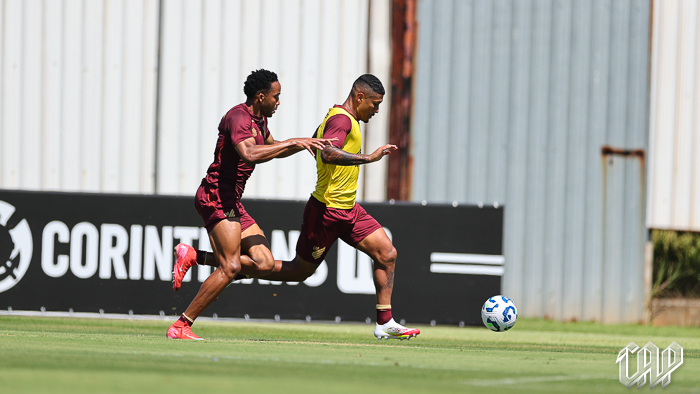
90 252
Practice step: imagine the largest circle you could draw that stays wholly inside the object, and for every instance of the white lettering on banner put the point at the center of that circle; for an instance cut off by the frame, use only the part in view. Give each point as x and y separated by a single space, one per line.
107 247
60 266
112 253
150 249
186 235
157 254
355 272
89 232
135 248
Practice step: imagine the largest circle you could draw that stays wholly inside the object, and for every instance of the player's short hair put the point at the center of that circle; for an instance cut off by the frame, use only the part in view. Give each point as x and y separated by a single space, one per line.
259 81
368 81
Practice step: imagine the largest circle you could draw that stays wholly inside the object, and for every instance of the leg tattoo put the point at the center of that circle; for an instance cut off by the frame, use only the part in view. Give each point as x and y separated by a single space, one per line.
389 284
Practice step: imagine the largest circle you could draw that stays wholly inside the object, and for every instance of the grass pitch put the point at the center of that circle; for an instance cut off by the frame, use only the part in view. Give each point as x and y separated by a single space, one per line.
75 355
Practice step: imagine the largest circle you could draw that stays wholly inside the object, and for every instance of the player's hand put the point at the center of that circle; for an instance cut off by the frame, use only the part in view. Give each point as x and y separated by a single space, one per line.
327 141
311 144
323 141
381 152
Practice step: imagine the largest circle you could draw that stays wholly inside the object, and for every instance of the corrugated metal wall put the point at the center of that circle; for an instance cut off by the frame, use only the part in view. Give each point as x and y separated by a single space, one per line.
514 101
674 163
78 92
317 49
81 112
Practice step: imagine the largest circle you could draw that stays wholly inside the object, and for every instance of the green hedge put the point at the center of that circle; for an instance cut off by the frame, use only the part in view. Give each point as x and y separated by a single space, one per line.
676 264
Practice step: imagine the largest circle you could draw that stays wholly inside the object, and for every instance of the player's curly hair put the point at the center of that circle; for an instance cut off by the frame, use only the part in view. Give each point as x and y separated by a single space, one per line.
259 81
369 81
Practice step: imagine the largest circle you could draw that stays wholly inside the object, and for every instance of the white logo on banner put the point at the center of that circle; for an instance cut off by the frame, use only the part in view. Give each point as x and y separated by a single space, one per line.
649 363
16 247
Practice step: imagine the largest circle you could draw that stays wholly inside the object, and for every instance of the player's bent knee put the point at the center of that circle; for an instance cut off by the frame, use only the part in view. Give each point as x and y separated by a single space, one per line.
262 260
387 257
230 268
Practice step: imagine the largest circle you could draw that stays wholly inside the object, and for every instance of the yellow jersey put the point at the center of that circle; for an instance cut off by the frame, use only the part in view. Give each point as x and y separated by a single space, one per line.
337 185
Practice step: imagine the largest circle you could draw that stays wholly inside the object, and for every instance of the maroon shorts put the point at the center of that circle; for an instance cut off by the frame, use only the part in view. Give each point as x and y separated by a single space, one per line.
323 225
212 210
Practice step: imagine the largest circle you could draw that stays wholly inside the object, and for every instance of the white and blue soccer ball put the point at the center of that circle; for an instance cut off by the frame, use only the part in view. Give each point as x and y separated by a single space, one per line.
499 313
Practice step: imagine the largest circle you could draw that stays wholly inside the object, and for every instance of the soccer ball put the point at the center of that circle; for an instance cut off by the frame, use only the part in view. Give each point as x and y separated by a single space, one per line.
499 313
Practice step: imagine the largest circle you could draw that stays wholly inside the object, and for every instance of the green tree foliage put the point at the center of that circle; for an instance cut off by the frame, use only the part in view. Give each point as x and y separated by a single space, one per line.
676 264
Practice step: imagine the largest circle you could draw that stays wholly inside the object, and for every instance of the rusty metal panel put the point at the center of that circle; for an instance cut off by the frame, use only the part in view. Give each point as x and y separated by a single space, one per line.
624 230
674 166
513 102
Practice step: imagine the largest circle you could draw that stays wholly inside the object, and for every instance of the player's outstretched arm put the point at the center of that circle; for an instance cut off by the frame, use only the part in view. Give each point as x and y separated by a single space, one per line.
309 144
251 153
334 155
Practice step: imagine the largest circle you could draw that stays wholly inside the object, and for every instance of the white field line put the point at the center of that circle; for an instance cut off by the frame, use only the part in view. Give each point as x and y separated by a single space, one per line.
291 359
535 379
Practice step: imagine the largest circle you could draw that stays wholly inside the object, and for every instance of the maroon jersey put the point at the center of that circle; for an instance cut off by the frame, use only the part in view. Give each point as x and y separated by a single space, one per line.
229 173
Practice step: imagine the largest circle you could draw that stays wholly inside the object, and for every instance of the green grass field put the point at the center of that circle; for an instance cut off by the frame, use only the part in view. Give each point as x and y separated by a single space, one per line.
74 355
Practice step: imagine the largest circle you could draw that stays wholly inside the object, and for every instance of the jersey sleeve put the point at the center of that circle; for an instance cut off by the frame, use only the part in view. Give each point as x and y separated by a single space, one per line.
337 126
240 128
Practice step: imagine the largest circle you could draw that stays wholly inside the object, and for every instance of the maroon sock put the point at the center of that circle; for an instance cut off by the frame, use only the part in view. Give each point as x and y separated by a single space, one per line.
201 256
184 320
383 316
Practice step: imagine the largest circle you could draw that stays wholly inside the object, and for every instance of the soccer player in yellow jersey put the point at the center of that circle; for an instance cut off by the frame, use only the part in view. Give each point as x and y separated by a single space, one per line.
332 212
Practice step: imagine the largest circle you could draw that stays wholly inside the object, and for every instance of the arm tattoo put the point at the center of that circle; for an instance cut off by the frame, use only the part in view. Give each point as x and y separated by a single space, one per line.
333 155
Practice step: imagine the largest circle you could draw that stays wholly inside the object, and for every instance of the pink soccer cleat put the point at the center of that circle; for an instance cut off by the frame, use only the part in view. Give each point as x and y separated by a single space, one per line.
185 257
180 330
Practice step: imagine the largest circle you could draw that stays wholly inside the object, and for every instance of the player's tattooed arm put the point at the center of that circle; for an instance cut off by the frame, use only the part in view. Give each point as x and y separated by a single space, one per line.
333 155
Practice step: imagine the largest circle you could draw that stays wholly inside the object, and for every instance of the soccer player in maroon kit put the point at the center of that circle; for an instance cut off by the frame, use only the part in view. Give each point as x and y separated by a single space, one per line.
332 213
244 141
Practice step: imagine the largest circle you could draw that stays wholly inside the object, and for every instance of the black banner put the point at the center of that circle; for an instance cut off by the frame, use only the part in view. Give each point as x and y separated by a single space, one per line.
88 252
